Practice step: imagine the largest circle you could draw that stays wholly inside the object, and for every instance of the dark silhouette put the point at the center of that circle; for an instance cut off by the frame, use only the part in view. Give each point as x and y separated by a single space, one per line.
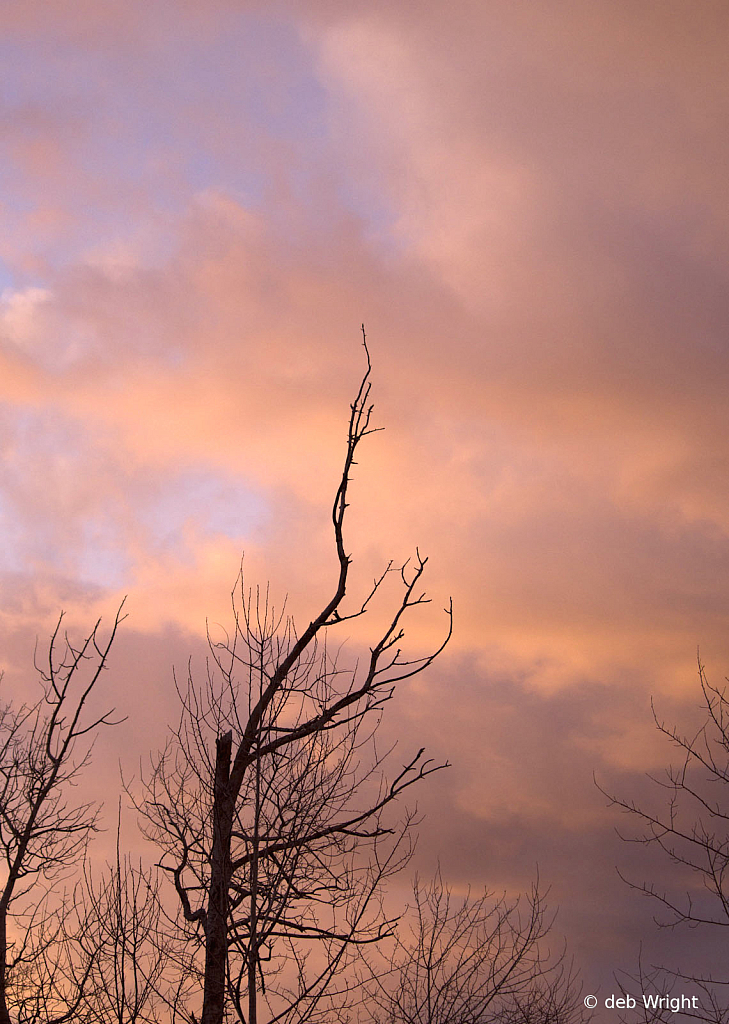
44 749
689 825
270 803
479 960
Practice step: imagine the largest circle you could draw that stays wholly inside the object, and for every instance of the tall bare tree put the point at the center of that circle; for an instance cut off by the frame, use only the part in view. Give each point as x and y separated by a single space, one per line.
44 749
270 803
477 960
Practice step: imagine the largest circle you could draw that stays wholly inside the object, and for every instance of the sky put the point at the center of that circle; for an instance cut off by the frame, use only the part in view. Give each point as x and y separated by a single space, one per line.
525 203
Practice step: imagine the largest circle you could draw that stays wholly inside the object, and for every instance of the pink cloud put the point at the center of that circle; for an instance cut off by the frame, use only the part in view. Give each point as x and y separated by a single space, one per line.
526 206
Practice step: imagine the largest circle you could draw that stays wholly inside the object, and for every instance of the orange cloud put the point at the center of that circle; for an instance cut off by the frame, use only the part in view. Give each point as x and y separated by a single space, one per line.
525 204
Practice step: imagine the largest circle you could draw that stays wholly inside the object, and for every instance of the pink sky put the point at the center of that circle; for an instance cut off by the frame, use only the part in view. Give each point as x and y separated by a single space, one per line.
526 204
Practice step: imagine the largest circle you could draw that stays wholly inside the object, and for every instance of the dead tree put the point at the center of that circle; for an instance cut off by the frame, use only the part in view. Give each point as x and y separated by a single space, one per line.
478 960
270 803
44 749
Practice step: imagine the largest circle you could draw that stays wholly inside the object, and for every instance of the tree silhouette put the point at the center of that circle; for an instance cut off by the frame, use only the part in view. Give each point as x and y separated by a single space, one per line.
270 803
689 825
44 749
475 961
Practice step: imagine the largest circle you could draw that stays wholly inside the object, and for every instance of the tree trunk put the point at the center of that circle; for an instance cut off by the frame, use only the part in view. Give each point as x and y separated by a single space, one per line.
4 1013
253 939
216 924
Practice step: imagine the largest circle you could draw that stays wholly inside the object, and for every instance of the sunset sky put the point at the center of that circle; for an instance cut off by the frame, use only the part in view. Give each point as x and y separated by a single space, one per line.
525 201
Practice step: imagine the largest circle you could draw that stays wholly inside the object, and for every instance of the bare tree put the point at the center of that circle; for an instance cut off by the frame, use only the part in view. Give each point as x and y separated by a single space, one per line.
270 803
473 961
140 972
44 748
663 993
689 825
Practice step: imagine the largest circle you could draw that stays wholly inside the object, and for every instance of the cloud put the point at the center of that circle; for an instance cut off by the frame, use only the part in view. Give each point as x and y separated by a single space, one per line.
526 207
